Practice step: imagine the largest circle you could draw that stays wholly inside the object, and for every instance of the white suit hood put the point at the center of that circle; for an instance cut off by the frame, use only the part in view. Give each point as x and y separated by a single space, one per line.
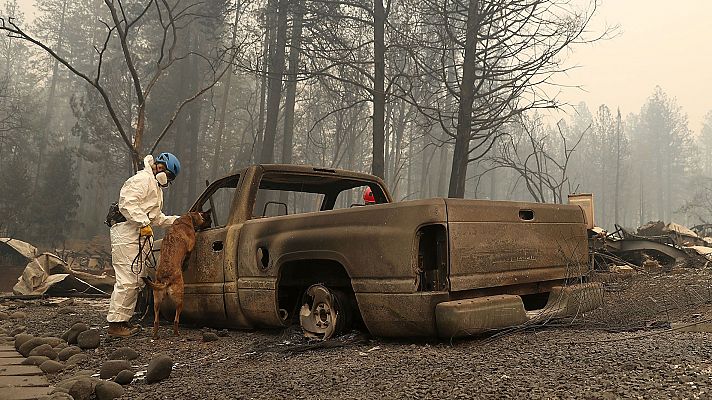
141 198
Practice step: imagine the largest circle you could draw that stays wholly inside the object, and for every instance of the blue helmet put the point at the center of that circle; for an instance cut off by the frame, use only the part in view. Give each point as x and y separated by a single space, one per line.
171 162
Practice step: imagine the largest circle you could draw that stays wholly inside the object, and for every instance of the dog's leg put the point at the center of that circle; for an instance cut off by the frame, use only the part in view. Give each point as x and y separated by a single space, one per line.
157 299
179 308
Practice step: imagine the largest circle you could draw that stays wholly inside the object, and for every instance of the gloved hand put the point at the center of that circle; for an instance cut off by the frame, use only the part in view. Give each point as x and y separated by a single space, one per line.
146 231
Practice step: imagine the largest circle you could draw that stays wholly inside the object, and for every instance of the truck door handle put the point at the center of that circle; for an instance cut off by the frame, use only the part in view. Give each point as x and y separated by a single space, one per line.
217 246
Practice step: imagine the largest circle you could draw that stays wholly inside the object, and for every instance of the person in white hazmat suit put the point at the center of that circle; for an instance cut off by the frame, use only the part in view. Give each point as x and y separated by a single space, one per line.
141 203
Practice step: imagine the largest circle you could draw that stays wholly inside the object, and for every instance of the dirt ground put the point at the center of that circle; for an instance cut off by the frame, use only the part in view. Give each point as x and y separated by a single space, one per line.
624 350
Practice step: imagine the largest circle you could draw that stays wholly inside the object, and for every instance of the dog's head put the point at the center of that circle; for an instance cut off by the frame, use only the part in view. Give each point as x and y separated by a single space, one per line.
201 219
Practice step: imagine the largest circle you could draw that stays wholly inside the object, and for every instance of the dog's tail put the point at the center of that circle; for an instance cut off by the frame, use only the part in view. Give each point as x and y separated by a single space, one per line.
152 284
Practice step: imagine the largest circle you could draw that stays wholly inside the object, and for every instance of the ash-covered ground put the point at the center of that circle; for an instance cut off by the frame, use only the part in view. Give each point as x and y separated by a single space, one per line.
626 349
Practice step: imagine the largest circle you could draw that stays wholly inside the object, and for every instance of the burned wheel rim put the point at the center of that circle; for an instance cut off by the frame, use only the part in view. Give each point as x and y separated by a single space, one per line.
323 314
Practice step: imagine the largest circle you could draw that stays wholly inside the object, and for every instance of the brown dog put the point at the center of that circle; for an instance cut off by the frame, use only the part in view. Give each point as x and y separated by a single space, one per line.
176 247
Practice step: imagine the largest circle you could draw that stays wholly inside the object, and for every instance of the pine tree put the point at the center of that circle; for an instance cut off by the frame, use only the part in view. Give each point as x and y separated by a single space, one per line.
56 201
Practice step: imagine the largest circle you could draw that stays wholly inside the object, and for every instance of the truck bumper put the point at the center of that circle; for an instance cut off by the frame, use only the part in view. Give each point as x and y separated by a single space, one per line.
459 318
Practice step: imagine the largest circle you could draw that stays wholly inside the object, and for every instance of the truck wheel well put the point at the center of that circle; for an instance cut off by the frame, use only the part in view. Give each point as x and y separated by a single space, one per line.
296 276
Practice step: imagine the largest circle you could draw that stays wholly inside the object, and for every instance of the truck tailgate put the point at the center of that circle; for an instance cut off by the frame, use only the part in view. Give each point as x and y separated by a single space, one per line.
509 243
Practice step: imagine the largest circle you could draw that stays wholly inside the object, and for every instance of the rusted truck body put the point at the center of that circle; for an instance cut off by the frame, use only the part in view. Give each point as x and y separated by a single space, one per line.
294 244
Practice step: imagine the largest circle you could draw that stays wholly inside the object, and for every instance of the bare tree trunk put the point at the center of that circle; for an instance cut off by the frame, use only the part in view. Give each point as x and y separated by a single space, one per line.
464 114
274 86
49 111
379 95
223 106
442 167
269 34
291 92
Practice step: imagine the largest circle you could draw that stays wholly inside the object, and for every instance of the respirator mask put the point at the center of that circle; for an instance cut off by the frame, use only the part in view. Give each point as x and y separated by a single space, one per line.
162 179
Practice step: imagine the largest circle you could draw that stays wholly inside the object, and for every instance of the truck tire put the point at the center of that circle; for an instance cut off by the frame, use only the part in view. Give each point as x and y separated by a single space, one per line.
325 312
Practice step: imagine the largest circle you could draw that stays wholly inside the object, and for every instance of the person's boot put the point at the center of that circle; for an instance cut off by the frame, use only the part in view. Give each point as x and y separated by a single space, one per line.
122 329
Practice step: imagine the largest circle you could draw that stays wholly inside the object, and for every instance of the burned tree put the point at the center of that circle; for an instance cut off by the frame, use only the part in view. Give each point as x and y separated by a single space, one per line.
495 58
121 21
539 157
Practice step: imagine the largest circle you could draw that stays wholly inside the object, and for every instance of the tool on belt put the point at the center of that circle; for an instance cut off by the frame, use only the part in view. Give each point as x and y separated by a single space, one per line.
114 215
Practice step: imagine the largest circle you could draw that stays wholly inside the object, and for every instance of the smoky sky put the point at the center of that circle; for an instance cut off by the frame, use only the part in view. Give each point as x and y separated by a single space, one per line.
657 43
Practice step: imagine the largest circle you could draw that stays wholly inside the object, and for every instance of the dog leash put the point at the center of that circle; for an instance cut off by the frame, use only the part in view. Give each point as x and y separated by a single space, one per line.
138 261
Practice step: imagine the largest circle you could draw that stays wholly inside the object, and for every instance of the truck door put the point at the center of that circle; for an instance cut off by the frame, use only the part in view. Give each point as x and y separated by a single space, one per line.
205 276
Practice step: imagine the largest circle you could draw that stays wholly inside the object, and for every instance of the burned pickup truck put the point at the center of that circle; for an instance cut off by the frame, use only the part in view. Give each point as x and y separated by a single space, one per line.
295 244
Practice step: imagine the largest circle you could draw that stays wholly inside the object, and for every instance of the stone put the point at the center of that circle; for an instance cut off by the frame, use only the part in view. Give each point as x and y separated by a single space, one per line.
108 390
52 340
29 345
159 368
111 368
66 310
67 352
210 337
89 339
18 315
124 377
71 335
83 372
44 350
17 330
51 367
123 353
58 396
61 346
81 388
21 338
35 360
77 359
4 316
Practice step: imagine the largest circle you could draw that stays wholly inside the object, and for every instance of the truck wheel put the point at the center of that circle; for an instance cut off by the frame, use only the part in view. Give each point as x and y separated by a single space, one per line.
325 312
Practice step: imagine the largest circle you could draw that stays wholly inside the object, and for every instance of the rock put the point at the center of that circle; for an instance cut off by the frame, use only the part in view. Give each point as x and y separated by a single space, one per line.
71 335
34 360
18 330
89 339
51 367
81 388
58 396
53 340
68 352
4 316
210 337
77 359
124 377
44 350
59 389
20 339
108 390
61 346
27 347
123 353
83 372
18 315
66 310
111 368
159 368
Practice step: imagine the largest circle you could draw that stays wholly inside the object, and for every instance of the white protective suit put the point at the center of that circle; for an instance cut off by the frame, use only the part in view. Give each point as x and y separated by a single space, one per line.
140 201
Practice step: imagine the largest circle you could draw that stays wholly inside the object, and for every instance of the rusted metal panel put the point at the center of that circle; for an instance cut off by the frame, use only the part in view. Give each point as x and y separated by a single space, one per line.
643 244
494 244
400 315
260 306
375 242
204 279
